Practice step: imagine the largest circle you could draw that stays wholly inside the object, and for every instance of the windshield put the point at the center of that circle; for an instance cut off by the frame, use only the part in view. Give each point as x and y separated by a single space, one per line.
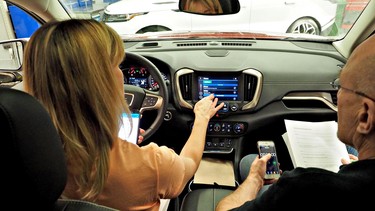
296 19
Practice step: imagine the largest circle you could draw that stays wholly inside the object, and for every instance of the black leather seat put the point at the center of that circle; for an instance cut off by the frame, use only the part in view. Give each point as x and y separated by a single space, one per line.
34 170
204 199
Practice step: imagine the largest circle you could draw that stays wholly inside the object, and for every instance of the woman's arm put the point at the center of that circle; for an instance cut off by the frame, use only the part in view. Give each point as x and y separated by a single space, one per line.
192 152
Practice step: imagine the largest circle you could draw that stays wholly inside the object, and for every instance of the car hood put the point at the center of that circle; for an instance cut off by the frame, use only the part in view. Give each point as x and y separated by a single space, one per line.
139 6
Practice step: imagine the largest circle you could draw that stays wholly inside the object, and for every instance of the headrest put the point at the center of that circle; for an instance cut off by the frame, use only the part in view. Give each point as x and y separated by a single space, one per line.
33 161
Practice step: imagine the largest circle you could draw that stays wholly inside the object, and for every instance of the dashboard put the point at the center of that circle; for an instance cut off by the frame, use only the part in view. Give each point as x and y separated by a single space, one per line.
138 75
261 82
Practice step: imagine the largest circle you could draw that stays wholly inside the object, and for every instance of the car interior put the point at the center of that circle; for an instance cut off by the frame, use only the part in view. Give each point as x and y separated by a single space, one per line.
274 78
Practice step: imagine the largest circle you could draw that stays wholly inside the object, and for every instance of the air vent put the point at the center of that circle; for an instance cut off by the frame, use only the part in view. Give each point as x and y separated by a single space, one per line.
186 86
250 87
253 82
191 44
183 87
334 97
308 100
236 44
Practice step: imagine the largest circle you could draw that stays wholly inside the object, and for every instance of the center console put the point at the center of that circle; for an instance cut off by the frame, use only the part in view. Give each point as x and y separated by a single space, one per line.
238 90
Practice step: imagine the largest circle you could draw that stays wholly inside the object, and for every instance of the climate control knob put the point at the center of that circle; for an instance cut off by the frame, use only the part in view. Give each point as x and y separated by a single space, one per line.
217 127
238 128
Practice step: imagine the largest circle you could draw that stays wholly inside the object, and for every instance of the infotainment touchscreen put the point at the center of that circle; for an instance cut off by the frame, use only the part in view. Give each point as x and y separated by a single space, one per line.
224 88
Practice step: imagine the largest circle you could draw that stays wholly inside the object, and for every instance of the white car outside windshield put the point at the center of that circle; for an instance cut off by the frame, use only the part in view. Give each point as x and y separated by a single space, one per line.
302 16
298 19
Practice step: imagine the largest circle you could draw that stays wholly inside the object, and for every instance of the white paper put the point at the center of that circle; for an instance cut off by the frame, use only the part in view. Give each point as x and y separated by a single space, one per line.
314 144
164 203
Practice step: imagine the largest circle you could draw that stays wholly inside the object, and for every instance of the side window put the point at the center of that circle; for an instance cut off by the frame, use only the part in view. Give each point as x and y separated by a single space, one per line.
14 23
23 23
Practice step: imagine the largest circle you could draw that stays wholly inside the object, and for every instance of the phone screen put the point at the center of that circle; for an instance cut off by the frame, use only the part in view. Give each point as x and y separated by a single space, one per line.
125 133
268 147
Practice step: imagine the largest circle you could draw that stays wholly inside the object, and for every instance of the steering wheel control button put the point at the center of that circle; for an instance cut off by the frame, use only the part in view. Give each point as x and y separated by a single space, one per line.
149 101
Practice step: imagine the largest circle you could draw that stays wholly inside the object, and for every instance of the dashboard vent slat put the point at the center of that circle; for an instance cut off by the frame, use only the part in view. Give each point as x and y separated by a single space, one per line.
236 44
191 44
186 86
226 44
250 87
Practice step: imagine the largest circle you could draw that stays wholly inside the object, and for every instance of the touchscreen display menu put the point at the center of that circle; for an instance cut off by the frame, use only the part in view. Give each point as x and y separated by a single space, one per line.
224 88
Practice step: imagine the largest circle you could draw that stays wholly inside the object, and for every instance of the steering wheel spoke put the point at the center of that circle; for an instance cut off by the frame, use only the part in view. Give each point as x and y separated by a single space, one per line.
151 102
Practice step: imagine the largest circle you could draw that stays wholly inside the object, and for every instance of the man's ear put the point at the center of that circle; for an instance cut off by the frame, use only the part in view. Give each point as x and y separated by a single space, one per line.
366 117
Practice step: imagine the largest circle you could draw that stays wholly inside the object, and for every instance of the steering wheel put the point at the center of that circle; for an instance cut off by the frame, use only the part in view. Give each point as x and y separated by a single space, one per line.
140 99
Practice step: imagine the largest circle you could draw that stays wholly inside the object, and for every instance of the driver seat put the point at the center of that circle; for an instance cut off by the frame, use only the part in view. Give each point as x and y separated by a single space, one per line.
33 159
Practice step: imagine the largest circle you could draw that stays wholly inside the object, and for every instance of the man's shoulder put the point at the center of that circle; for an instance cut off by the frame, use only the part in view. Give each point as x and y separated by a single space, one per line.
319 189
307 172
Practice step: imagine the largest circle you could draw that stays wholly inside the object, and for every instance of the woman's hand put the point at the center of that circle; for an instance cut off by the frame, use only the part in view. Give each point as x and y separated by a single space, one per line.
207 107
140 137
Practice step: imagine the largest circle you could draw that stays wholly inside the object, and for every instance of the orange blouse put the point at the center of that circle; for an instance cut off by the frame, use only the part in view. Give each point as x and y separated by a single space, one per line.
140 176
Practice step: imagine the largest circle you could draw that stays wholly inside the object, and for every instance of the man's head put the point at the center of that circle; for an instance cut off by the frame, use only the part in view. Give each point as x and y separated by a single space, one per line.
356 97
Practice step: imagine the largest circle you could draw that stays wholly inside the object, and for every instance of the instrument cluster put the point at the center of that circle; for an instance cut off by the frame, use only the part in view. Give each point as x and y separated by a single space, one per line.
140 76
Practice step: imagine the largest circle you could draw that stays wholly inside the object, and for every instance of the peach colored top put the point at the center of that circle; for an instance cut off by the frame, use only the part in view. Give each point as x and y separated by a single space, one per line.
140 176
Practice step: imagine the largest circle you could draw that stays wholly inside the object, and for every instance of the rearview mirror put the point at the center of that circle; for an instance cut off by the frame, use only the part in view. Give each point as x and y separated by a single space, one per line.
210 7
11 55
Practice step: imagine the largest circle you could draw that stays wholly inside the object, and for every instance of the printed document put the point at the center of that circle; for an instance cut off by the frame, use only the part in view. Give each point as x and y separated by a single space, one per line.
314 144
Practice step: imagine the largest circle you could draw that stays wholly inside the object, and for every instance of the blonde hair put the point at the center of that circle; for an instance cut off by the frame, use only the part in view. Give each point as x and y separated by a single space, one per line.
69 67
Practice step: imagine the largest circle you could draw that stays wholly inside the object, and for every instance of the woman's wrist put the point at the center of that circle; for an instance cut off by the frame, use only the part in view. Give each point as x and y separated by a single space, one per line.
201 119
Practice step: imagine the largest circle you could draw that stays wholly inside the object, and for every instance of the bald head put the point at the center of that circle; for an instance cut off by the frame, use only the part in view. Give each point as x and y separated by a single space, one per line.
361 66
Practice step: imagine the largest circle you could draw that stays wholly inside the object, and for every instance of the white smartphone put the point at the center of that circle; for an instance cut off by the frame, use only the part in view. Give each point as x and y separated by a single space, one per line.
268 147
125 133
